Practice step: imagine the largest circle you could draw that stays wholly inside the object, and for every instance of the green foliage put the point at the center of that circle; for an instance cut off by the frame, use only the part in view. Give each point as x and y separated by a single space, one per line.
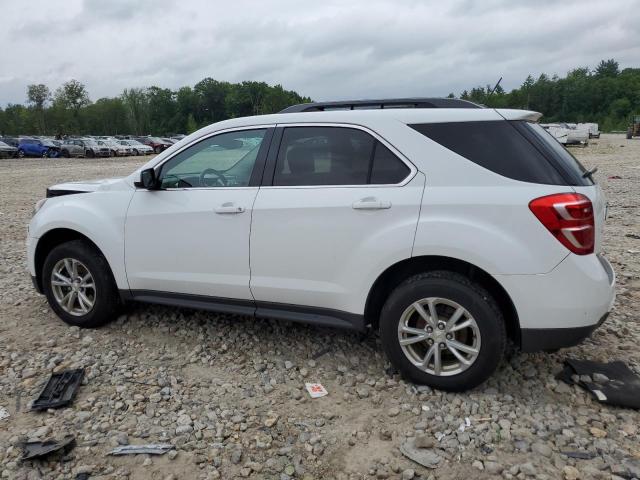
606 95
140 111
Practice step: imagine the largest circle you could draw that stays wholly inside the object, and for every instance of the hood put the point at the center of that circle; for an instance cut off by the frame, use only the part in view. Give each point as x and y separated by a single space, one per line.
88 186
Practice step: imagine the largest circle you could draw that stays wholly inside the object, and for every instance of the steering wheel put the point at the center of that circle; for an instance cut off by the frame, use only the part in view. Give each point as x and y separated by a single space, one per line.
220 179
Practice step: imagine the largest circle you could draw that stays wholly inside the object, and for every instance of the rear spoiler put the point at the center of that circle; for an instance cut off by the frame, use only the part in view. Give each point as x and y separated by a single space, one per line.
511 114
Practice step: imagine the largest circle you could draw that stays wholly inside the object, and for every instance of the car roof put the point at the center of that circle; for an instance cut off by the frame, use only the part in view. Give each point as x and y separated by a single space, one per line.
365 116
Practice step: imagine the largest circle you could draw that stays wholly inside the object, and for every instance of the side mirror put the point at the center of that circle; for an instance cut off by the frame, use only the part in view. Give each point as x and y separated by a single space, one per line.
148 179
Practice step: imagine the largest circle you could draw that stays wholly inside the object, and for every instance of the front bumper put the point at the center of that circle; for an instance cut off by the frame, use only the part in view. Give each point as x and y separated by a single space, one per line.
564 306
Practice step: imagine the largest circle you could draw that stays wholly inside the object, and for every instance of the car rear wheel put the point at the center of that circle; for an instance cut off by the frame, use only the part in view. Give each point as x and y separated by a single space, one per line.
20 153
136 153
45 154
443 330
79 286
65 153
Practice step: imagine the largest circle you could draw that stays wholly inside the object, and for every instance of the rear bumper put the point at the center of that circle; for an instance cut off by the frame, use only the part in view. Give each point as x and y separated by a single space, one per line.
564 306
544 339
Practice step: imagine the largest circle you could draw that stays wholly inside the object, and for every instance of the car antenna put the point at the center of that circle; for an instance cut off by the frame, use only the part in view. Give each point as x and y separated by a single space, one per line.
494 88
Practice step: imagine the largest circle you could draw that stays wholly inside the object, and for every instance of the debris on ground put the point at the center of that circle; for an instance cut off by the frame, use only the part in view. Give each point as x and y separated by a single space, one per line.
613 383
420 453
35 450
59 390
316 390
149 449
579 455
4 413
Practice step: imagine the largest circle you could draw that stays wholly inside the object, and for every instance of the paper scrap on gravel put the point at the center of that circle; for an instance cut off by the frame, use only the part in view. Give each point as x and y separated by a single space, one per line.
4 413
316 390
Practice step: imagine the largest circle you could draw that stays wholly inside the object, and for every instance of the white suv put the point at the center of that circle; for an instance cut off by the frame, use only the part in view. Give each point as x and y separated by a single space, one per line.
447 227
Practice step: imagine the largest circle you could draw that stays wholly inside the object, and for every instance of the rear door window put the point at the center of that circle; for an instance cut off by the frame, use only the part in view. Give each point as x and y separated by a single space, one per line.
497 146
335 156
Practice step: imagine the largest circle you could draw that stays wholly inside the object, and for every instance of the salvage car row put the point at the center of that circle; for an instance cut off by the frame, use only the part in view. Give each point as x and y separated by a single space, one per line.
105 146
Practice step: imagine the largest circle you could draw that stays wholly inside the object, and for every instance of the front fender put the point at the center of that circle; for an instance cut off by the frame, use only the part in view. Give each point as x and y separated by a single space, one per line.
99 216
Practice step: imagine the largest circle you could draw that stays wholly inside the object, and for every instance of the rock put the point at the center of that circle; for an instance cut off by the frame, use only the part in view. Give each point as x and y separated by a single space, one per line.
172 454
408 474
393 411
600 378
236 456
478 464
423 441
493 468
271 420
426 457
542 449
263 440
597 432
288 365
528 469
570 473
362 391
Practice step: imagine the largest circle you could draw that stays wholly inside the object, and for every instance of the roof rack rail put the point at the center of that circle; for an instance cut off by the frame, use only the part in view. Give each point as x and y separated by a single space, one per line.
380 104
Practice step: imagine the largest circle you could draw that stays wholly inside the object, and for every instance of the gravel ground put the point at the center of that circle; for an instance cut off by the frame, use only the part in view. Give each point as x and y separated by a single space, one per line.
228 391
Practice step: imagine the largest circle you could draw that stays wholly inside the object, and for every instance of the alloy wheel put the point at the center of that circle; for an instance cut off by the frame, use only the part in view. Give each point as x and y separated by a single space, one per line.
439 336
73 286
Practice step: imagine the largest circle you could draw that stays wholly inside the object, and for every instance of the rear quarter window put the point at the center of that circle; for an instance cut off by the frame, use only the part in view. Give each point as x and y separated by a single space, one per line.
497 146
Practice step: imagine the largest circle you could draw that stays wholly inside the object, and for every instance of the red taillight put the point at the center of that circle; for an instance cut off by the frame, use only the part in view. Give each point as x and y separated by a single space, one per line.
569 218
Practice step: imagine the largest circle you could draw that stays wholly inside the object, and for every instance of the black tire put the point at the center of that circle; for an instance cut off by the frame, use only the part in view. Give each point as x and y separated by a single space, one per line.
107 302
475 299
65 154
157 150
136 153
90 154
629 134
20 153
45 154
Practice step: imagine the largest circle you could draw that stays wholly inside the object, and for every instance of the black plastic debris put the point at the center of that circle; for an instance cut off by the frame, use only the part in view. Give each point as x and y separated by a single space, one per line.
36 450
82 476
59 390
612 383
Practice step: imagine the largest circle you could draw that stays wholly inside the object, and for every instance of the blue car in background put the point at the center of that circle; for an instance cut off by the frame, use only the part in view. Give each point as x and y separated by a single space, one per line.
34 147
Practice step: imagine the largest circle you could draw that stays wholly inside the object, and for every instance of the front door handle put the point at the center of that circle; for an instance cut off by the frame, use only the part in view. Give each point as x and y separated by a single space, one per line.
370 203
229 207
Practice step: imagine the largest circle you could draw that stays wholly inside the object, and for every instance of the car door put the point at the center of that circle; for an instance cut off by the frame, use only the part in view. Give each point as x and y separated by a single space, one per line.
191 236
338 205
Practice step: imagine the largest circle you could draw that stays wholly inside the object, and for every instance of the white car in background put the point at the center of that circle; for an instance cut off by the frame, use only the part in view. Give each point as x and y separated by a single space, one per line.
576 135
446 227
136 147
560 133
117 149
592 128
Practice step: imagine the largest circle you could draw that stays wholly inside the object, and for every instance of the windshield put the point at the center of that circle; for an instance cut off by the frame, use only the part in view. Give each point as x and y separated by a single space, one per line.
90 142
2 144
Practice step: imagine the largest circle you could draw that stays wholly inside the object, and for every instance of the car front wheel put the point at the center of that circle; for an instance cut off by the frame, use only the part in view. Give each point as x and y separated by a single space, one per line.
443 330
79 286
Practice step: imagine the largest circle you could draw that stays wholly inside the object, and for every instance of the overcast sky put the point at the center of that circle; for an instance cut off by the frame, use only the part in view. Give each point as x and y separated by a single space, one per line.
324 49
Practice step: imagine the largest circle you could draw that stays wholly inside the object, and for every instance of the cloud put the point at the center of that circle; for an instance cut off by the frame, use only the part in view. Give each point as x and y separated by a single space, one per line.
326 50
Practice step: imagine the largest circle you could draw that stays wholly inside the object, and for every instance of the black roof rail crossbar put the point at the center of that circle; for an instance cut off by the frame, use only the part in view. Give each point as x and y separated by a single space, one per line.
383 103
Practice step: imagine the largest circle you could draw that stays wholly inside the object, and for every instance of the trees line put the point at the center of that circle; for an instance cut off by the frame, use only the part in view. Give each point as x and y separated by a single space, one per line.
141 111
605 95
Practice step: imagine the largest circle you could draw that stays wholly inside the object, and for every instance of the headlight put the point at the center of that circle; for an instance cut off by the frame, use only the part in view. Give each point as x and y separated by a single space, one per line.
39 205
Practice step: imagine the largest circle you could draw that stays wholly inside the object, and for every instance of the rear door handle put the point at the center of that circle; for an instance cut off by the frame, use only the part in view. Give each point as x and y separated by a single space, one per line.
229 207
370 203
